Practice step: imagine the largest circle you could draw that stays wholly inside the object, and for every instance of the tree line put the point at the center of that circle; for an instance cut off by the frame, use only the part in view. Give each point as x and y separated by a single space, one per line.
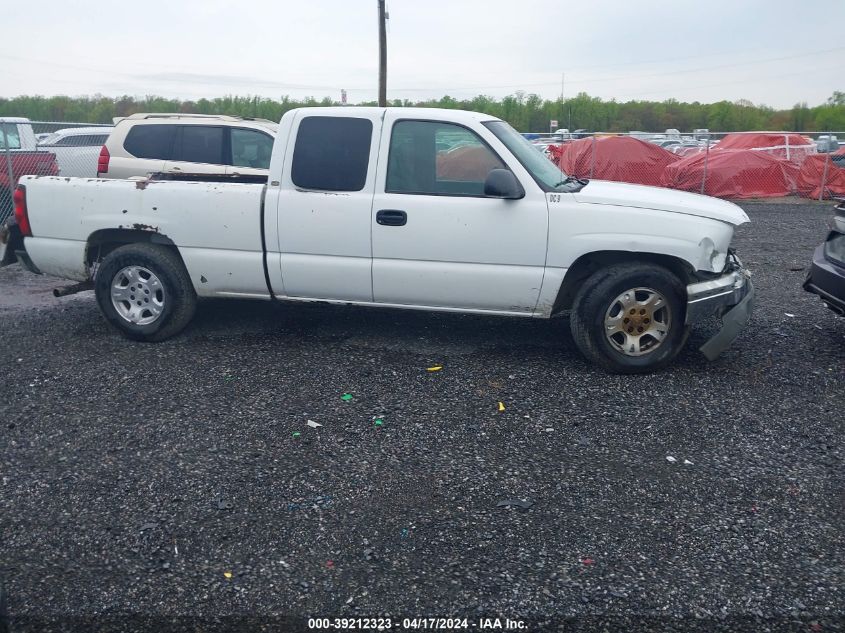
526 112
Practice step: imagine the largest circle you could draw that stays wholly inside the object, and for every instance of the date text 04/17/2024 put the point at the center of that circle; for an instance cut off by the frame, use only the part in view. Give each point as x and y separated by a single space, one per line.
386 624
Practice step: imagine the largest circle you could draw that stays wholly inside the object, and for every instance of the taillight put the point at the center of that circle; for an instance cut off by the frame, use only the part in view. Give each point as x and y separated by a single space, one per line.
103 161
21 214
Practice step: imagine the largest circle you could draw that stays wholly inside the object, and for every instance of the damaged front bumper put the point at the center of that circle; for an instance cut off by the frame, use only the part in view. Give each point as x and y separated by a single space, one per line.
730 296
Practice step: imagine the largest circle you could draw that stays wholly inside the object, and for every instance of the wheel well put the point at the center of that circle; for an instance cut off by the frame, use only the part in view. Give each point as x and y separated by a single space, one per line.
101 243
587 264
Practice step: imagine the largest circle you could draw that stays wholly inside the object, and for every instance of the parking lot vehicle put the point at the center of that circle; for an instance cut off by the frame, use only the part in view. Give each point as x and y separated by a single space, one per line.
142 144
18 132
359 210
827 143
19 157
827 274
77 149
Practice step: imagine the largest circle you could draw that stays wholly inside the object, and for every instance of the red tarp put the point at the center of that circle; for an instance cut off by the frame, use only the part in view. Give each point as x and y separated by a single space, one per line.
733 174
813 174
786 146
619 158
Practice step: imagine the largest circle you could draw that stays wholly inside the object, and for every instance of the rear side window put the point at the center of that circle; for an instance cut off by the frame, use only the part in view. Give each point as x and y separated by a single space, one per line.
332 153
202 144
151 141
85 140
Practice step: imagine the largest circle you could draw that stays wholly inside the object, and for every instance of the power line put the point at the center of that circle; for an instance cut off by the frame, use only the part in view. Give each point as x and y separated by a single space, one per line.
741 81
293 86
628 77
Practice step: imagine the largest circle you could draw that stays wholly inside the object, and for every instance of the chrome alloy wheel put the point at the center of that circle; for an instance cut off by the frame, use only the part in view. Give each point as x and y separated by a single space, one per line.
637 321
137 295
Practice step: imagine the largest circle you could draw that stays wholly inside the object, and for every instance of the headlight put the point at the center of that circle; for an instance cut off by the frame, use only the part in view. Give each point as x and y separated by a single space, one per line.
834 248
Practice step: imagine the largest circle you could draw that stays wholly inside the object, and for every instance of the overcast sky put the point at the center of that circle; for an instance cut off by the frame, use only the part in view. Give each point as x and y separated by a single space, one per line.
776 52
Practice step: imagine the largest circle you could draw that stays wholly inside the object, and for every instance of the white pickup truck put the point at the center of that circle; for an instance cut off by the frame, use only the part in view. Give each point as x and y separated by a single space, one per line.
404 208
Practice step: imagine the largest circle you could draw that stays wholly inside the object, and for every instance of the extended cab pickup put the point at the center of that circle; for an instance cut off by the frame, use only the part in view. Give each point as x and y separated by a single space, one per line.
406 208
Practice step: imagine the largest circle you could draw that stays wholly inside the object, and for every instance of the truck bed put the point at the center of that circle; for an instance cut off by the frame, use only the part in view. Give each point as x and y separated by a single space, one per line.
215 225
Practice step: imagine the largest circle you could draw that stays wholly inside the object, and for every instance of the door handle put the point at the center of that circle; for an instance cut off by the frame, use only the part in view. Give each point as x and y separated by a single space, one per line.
391 217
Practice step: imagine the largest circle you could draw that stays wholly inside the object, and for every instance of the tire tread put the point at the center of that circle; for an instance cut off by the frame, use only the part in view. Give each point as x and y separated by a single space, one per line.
168 263
593 296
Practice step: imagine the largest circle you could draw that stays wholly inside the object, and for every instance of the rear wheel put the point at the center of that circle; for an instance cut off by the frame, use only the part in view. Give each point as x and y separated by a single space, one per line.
630 318
144 291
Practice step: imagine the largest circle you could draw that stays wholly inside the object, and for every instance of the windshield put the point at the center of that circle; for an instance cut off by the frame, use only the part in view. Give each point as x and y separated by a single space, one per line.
544 171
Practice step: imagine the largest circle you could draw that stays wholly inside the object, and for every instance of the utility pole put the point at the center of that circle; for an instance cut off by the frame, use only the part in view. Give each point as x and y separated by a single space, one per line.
382 56
562 84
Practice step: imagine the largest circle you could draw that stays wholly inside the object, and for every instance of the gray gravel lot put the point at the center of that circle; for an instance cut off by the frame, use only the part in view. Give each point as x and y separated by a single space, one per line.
149 485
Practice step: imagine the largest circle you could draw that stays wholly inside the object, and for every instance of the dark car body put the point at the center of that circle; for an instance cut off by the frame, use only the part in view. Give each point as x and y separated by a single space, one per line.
827 274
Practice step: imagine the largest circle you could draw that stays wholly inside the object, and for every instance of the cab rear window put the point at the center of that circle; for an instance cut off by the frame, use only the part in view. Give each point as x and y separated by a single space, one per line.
9 135
332 153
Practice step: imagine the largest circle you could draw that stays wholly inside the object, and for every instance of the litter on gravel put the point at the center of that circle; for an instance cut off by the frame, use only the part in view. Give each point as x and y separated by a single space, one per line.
313 425
520 504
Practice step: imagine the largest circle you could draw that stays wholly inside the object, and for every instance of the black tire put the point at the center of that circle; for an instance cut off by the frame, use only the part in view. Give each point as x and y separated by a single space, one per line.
179 299
598 297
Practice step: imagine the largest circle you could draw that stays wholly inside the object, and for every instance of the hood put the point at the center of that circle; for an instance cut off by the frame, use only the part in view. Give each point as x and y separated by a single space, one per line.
641 197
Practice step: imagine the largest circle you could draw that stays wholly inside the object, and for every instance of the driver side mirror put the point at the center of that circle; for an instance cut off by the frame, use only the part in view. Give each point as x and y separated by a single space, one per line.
501 183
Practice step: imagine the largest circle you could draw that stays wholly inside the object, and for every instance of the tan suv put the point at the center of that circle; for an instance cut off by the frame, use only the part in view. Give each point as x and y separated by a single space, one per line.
187 144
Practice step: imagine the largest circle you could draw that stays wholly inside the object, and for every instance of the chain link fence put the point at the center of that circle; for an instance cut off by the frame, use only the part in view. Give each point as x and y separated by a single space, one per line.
46 148
736 165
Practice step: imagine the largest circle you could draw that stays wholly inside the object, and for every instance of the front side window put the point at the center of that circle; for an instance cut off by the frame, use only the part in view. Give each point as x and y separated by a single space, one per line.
251 148
10 135
429 157
548 175
202 144
332 153
151 141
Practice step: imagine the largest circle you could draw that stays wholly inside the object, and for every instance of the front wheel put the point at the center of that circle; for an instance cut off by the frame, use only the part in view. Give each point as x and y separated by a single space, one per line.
144 291
630 318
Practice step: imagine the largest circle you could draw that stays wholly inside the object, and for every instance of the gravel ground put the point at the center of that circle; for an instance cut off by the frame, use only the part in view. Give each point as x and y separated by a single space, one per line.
177 486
